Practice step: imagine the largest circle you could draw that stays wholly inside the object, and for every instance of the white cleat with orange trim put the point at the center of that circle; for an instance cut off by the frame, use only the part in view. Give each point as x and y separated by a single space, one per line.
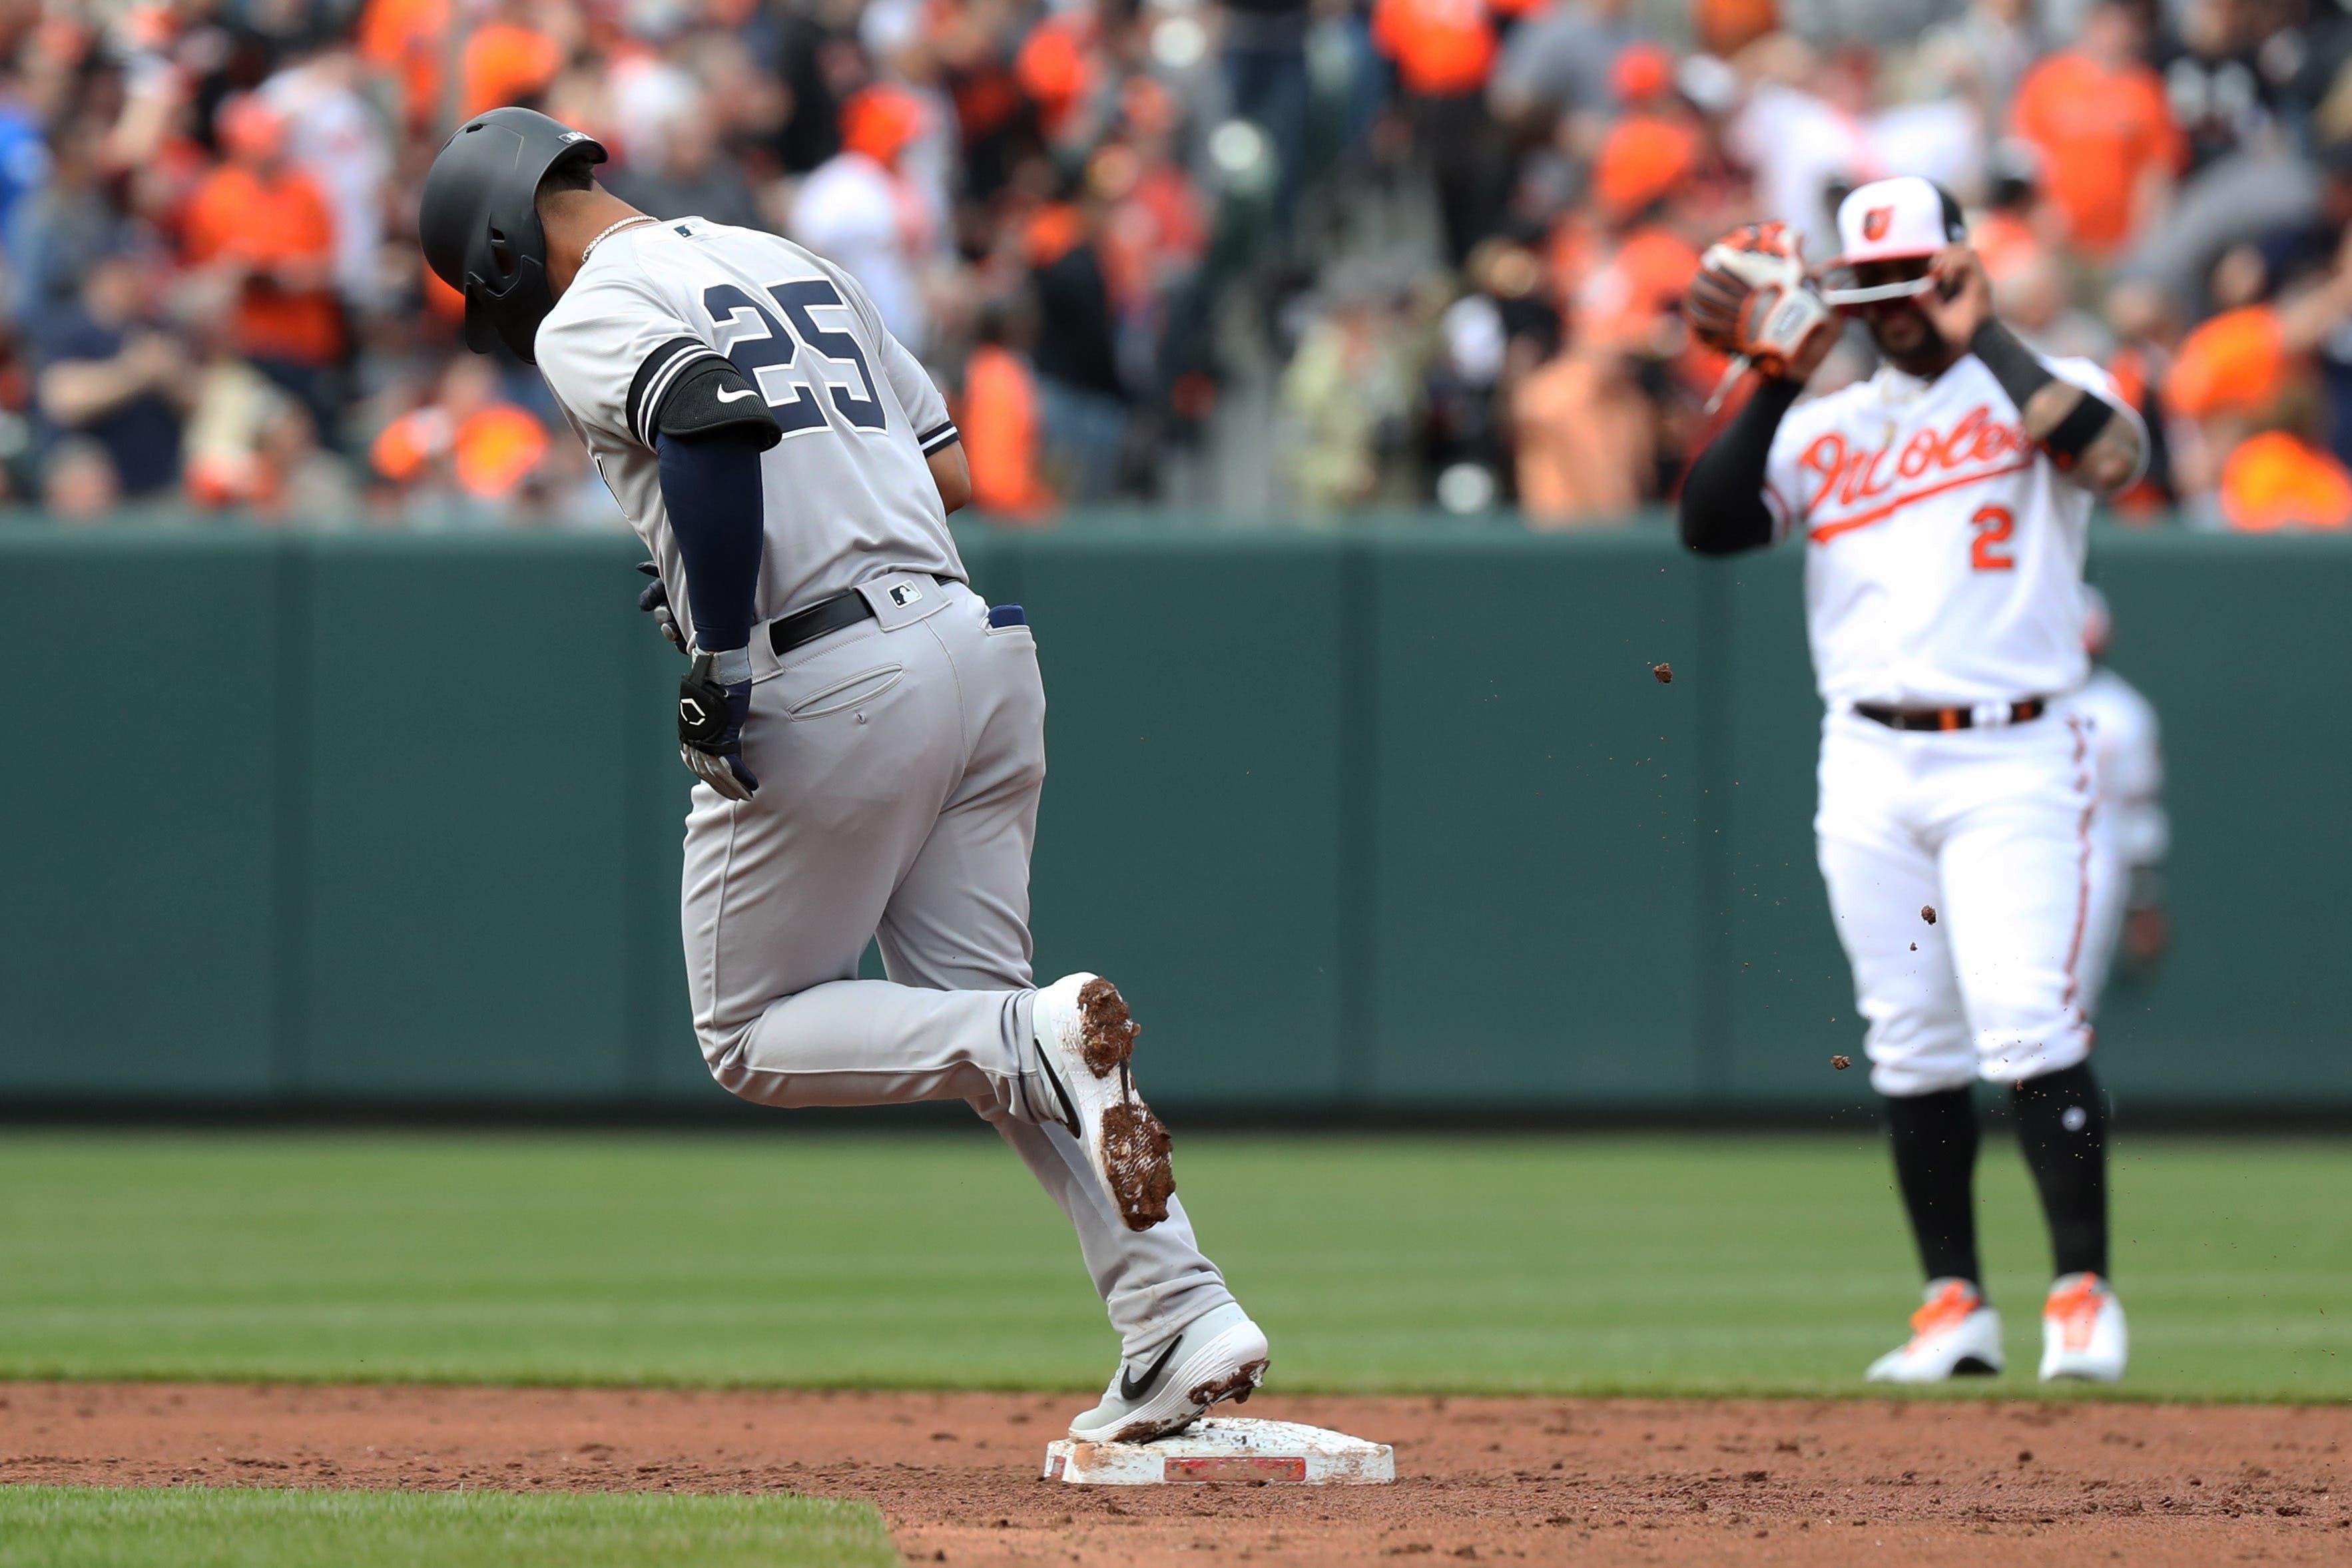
1953 1334
2082 1333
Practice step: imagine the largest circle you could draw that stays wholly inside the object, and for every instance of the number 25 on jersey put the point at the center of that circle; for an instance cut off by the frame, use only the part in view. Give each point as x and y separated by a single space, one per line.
755 340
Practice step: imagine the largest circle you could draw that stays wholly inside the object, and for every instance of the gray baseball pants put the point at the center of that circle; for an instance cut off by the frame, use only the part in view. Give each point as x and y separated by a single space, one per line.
899 763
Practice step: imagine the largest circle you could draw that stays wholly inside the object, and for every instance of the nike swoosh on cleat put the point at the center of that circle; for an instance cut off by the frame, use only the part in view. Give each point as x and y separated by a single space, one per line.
1069 1107
1130 1389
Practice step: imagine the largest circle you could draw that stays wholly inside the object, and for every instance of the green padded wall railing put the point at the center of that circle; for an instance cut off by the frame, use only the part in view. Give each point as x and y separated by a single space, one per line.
1382 819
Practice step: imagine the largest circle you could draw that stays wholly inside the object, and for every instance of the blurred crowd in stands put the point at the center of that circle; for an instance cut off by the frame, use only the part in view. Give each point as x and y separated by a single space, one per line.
1318 257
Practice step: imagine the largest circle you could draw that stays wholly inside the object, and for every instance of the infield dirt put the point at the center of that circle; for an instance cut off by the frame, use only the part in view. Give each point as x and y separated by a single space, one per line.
1602 1482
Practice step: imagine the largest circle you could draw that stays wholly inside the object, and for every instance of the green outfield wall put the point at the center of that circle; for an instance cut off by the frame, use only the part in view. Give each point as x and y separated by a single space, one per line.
1374 821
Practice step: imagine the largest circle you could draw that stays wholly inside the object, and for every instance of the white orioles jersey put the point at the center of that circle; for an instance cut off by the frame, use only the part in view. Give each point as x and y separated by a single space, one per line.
848 495
1944 550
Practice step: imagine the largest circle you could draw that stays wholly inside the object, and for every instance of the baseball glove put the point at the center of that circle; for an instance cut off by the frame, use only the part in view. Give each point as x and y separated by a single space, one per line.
1751 298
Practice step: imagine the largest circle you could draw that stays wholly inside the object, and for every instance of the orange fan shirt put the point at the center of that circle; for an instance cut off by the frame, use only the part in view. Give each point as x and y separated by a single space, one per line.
2274 481
998 423
497 448
2099 132
492 452
505 64
2235 363
1644 158
1055 67
1622 296
405 37
1727 26
235 214
1442 48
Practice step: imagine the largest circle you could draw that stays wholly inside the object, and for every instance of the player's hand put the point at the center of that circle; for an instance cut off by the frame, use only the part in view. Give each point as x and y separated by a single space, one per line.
1751 298
710 729
1961 300
655 601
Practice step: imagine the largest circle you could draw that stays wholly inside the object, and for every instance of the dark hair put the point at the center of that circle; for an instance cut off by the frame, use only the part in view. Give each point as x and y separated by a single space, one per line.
568 172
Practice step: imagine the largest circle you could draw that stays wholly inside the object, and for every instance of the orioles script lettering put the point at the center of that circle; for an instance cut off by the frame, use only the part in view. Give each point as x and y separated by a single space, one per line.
1846 476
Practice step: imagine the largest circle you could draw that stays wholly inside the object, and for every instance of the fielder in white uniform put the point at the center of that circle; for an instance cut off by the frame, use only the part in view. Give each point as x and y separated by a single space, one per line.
1943 506
2127 901
868 732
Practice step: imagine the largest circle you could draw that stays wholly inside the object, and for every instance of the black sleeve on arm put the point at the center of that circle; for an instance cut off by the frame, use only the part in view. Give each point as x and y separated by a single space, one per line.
708 425
1723 509
711 488
2021 374
701 394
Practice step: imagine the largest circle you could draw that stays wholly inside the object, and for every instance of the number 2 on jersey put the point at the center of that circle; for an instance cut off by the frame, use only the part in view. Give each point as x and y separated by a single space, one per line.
1989 552
751 336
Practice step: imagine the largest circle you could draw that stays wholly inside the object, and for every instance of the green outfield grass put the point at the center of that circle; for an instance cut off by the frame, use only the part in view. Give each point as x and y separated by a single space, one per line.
1560 1264
94 1527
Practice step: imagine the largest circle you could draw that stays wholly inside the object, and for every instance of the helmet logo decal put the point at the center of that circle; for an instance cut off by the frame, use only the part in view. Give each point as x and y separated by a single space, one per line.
1876 221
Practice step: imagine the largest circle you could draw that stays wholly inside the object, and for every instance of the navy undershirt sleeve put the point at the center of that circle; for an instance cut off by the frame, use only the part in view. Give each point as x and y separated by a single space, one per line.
711 488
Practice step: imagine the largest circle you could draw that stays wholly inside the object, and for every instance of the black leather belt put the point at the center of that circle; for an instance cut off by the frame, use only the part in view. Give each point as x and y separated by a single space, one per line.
786 633
1947 718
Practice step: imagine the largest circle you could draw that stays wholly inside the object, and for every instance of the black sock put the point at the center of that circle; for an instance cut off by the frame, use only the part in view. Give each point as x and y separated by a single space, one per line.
1936 1164
2062 1123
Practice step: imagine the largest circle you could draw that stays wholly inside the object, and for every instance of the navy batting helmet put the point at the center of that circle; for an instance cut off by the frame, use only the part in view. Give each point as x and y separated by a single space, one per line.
479 221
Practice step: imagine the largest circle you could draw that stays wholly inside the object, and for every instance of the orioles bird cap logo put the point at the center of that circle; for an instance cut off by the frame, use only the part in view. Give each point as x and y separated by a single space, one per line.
1876 221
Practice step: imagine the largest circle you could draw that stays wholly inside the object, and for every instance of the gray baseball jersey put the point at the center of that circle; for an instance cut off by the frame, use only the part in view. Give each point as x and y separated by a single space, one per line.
848 495
901 757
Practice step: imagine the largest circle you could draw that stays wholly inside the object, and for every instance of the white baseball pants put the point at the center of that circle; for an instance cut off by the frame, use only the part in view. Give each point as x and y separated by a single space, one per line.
899 763
1997 830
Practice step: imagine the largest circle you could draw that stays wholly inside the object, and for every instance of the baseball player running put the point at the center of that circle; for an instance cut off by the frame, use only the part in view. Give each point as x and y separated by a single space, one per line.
1944 504
868 733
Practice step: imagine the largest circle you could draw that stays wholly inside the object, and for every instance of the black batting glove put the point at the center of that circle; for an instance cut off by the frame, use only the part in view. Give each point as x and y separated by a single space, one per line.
655 601
711 717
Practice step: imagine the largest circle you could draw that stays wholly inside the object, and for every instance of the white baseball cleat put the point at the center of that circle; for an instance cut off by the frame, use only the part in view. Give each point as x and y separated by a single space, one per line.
1220 1356
1085 1042
2083 1333
1953 1335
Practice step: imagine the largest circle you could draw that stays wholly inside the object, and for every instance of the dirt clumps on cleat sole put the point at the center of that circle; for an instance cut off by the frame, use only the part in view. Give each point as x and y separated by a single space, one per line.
1106 1030
1135 1148
1135 1142
1236 1386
